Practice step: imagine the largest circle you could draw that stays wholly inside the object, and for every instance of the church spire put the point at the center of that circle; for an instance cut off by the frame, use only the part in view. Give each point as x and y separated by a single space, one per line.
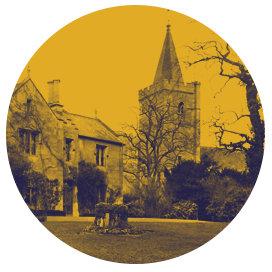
168 67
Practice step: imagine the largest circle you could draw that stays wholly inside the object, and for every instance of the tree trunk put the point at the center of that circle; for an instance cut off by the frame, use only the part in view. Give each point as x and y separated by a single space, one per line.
254 154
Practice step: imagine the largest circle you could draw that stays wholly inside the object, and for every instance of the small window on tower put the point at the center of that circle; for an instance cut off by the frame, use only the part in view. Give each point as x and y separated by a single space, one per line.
181 108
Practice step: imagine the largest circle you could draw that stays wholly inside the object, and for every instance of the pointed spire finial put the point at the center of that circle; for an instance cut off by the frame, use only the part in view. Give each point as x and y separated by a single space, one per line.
28 71
168 25
168 66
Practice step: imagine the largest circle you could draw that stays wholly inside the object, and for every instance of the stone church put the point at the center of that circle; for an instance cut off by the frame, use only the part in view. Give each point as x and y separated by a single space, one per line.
178 102
56 140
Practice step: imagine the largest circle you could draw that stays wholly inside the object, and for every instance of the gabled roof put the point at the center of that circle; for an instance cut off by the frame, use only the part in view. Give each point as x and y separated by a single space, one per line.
89 127
19 85
168 67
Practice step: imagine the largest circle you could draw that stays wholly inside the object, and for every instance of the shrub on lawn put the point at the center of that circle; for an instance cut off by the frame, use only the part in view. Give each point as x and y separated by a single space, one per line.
118 213
135 209
184 209
227 200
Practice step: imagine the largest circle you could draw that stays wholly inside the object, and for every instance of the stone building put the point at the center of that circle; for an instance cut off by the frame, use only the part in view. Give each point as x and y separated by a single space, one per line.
56 140
181 103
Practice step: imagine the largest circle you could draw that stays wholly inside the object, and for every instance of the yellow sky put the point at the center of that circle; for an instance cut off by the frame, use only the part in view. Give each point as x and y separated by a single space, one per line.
103 59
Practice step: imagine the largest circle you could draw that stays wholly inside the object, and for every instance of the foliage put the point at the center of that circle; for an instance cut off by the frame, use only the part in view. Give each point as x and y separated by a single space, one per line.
102 208
118 213
110 230
242 178
129 197
184 181
20 166
184 209
219 194
90 180
227 197
113 195
135 209
46 194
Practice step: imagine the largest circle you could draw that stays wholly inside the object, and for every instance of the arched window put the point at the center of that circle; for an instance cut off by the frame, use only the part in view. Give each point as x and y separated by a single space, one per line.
181 108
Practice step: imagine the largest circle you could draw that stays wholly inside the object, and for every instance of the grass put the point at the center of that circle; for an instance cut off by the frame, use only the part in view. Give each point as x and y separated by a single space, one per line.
164 241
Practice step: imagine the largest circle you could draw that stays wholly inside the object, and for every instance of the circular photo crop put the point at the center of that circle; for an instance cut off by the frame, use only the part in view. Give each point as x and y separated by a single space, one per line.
135 134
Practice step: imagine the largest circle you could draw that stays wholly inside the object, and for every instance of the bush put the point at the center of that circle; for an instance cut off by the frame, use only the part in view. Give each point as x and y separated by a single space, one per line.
114 195
128 197
185 209
20 166
118 213
135 209
90 181
46 194
227 197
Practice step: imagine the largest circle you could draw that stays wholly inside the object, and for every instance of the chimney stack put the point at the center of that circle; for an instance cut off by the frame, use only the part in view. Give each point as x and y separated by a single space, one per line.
53 95
56 91
50 92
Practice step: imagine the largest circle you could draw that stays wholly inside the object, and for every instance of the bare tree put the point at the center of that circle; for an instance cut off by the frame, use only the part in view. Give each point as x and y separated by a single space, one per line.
160 138
232 68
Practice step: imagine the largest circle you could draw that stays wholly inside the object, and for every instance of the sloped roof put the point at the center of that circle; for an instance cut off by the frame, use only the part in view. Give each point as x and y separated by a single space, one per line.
89 127
168 67
19 85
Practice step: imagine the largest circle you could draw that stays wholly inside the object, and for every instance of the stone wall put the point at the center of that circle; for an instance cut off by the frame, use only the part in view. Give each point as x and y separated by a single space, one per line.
113 159
29 111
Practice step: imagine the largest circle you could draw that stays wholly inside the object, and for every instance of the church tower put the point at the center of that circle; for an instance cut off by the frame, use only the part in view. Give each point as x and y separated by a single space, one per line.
173 106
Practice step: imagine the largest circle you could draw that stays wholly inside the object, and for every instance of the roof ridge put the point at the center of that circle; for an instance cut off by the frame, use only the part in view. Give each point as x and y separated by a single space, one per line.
78 115
113 132
19 85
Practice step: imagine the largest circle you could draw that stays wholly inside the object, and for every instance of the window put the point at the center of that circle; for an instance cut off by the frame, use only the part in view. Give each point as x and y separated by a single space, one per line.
68 149
27 143
28 106
28 140
181 108
100 155
33 143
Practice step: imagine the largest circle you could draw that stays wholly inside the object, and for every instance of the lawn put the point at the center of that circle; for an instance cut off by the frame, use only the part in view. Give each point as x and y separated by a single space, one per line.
162 241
